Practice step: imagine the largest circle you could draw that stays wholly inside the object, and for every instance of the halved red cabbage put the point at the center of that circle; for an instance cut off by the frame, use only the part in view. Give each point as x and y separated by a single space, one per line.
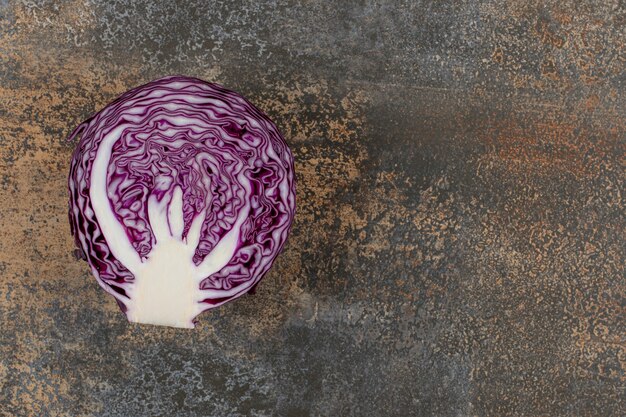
182 194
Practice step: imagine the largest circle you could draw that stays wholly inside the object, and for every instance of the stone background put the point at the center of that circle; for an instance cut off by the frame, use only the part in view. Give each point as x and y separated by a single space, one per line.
459 243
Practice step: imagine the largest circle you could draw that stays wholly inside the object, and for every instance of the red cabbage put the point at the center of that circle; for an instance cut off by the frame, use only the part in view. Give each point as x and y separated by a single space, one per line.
182 194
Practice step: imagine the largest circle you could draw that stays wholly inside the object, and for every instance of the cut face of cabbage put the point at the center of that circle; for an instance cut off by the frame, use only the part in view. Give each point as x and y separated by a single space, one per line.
182 194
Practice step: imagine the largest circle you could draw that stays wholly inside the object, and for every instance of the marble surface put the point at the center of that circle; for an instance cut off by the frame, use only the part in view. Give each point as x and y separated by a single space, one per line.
459 242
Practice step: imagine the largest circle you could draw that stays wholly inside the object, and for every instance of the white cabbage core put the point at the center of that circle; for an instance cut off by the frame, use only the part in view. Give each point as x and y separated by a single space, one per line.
166 289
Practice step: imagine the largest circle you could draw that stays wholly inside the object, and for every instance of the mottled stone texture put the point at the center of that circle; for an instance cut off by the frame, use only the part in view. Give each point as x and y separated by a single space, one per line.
459 243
